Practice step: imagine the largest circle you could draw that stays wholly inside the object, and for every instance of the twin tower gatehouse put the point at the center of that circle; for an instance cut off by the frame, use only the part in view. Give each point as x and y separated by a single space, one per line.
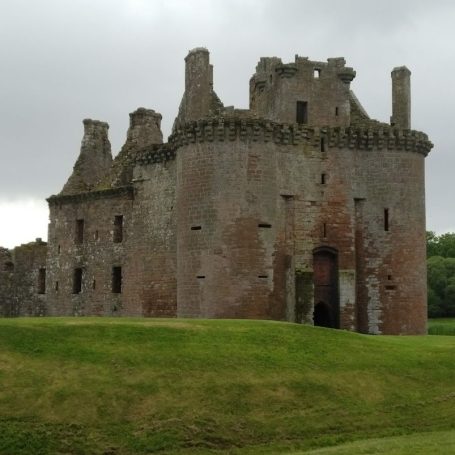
300 208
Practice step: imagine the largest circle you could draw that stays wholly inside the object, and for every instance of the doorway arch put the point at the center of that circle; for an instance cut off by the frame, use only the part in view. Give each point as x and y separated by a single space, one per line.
325 281
321 315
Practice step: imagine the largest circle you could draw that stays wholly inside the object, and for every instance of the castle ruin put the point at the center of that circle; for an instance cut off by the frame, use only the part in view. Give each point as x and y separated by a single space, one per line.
299 209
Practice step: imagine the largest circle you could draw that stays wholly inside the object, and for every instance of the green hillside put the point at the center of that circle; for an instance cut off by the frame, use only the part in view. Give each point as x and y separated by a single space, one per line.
127 386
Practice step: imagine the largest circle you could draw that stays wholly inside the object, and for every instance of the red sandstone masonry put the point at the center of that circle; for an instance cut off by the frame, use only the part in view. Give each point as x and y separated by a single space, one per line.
246 213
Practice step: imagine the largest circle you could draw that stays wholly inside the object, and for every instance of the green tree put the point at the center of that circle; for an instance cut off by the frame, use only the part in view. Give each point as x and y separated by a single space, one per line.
442 245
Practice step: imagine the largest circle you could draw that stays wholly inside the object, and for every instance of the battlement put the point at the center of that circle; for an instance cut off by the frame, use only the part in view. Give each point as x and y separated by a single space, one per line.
156 154
380 135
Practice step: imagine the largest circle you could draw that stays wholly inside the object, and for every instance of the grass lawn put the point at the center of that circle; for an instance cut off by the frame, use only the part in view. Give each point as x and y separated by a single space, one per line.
137 386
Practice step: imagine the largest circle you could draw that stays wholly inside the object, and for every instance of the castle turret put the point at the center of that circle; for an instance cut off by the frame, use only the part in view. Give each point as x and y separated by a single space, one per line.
401 97
292 92
199 99
144 131
94 160
198 84
145 128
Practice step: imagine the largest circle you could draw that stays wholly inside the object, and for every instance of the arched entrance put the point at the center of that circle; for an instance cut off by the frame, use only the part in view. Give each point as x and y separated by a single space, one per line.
321 315
325 280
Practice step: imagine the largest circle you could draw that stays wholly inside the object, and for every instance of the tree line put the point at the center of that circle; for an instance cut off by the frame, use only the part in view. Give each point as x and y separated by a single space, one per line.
441 274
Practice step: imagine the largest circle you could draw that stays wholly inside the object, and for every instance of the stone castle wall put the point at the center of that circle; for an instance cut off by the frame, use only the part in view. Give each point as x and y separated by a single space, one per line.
23 281
300 209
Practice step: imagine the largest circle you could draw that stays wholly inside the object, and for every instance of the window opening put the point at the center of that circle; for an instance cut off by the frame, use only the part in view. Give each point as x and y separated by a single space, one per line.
316 73
323 179
116 280
336 111
323 147
79 231
265 225
386 219
302 112
324 230
42 281
77 280
196 228
56 286
118 229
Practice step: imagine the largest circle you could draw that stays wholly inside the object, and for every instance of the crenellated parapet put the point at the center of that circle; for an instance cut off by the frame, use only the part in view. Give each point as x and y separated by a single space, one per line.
155 154
379 136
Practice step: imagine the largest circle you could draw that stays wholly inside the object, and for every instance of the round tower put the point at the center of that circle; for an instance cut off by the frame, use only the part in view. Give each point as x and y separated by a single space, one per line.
227 223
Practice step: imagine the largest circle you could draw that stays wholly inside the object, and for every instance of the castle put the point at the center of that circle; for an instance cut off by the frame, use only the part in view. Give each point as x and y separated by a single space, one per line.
301 209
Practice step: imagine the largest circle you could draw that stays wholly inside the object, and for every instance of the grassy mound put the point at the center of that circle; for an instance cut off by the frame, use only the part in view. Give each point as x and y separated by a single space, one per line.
124 386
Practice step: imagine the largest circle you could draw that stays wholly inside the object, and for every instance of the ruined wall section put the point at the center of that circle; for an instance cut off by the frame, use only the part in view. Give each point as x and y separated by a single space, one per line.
23 283
6 278
144 131
94 161
276 88
199 99
81 236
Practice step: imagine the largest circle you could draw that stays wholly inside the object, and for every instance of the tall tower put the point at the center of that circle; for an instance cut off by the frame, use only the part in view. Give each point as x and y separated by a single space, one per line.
198 84
401 98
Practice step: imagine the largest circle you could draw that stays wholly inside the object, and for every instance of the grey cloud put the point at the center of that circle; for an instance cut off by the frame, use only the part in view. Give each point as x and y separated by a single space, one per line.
65 60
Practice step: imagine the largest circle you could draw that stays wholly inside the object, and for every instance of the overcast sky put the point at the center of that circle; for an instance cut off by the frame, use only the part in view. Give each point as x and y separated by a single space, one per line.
66 60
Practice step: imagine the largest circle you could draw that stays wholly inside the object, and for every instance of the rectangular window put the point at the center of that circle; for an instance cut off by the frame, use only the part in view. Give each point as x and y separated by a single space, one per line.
302 112
56 286
323 179
42 281
323 145
118 229
77 280
386 219
79 238
116 280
